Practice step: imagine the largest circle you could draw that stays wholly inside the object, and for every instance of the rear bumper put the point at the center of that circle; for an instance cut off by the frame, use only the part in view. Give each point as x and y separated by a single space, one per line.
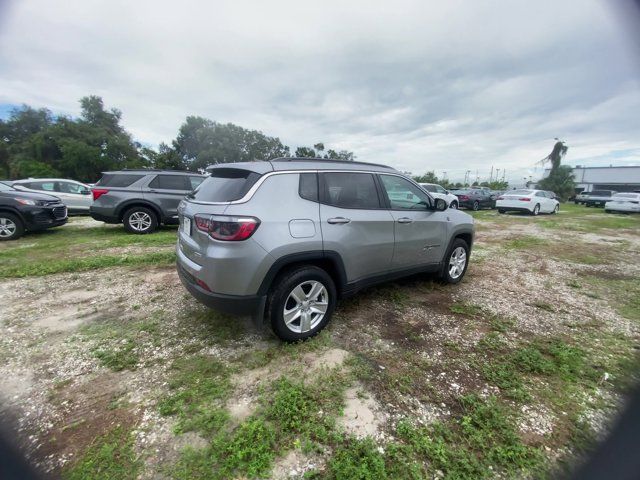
616 207
252 305
595 203
514 209
103 215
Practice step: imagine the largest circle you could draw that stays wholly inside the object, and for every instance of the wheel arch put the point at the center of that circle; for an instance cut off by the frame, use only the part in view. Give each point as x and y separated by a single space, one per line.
331 262
13 211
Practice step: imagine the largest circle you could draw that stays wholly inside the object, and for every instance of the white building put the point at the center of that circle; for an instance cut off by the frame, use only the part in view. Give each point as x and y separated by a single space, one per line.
621 179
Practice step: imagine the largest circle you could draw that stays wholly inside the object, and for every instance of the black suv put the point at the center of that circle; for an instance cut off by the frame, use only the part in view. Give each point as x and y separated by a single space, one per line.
26 211
141 199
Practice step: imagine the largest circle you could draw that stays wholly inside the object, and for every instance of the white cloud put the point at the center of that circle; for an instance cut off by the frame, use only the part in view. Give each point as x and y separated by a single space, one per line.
450 86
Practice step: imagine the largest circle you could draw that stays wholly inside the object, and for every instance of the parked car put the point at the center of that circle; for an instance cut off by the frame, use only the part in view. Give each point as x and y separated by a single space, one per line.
438 191
475 198
598 198
628 202
75 195
141 199
580 198
27 211
530 201
288 237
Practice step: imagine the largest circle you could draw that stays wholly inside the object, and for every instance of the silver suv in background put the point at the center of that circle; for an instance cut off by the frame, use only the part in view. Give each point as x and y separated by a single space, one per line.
289 237
141 199
75 195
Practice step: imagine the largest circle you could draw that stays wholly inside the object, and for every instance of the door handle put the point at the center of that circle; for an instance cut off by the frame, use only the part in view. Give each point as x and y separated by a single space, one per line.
405 220
151 190
338 220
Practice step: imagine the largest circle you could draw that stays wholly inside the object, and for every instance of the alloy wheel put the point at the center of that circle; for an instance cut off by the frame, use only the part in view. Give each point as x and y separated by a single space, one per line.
7 227
306 306
457 262
140 221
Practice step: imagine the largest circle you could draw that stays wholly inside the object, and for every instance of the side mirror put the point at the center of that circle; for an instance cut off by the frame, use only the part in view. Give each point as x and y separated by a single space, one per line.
85 191
440 205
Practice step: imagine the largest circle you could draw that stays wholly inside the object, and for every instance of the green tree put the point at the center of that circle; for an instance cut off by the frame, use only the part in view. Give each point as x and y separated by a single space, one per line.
202 142
560 179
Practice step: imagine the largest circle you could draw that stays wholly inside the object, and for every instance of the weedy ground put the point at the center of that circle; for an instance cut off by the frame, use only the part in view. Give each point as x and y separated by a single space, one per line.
109 369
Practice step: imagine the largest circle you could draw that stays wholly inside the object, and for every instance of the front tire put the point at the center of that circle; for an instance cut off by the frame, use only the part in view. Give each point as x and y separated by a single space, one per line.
456 262
476 206
453 205
11 227
302 303
501 210
140 220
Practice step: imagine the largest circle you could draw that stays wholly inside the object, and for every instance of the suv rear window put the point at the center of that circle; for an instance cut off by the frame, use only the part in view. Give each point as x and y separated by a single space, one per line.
225 185
118 180
601 193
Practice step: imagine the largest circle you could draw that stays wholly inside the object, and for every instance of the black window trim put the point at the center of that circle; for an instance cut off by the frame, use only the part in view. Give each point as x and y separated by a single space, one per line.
317 200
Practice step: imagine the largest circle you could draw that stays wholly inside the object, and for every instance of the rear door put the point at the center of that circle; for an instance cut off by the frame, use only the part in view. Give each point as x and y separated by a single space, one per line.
419 232
72 195
166 190
355 223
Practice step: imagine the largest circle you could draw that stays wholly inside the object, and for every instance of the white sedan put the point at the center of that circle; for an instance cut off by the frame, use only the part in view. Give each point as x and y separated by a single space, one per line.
530 201
624 202
75 195
438 191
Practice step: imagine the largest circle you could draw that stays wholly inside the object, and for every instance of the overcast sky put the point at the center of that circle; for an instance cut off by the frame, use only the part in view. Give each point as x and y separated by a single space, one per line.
445 86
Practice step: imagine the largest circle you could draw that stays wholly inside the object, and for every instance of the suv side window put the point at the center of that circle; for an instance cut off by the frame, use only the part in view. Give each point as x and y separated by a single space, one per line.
308 188
46 186
540 194
349 190
68 187
404 195
171 182
118 180
439 189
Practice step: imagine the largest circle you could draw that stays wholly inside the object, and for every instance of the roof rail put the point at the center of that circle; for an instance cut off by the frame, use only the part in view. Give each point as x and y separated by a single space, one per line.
336 160
153 170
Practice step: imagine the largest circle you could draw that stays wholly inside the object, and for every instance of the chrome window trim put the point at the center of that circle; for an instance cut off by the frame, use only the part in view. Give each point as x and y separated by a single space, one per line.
247 196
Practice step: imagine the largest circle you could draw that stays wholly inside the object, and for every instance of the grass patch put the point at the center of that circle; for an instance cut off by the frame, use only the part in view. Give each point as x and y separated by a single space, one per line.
524 242
122 357
109 457
463 308
484 435
199 385
60 265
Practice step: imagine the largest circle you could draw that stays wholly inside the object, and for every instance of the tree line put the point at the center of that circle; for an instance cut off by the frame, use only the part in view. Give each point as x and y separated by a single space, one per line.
35 143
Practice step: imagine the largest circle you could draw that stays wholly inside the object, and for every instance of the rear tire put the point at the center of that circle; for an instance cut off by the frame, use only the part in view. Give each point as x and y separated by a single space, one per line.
556 209
455 265
11 227
536 210
306 296
500 210
140 220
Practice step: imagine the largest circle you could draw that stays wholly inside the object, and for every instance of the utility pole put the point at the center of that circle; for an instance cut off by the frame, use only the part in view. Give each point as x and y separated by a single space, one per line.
491 175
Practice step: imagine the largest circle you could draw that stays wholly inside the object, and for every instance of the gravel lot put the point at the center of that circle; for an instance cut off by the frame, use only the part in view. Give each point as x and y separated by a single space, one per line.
85 353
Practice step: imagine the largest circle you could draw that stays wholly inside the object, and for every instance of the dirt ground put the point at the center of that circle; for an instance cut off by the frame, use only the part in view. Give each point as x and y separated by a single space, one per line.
82 353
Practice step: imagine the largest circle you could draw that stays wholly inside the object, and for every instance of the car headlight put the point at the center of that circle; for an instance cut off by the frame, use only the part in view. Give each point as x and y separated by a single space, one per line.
26 201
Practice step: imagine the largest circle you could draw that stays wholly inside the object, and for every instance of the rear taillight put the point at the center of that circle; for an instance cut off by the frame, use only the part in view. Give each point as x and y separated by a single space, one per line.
463 197
230 229
98 192
203 285
500 198
524 199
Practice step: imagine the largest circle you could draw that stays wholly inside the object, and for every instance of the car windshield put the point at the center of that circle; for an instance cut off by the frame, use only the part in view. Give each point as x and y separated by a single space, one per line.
5 188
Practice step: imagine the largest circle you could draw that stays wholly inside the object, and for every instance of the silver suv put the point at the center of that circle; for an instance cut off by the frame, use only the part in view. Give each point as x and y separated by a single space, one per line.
287 238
